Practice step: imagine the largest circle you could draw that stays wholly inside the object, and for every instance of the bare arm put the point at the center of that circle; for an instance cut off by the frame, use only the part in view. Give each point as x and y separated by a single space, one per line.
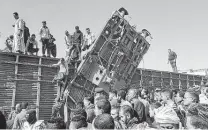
26 49
36 44
56 65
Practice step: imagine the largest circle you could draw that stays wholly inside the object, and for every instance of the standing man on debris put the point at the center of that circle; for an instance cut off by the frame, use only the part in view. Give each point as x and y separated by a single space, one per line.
26 33
61 77
77 41
44 38
172 60
19 45
68 42
89 39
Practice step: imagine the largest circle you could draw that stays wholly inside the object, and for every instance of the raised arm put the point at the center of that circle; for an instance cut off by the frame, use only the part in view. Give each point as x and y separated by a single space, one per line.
56 65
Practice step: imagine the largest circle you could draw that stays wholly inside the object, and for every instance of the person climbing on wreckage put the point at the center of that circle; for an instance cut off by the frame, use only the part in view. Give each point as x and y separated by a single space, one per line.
61 77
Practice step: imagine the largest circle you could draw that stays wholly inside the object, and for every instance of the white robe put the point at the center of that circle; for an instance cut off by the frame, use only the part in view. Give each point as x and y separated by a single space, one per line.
19 36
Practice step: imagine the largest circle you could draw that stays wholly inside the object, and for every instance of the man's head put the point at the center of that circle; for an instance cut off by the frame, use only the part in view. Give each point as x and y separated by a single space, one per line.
197 117
123 11
18 107
126 113
88 30
24 23
132 93
2 121
80 105
144 92
33 36
66 33
169 50
78 122
179 96
16 15
166 95
190 97
44 23
88 100
24 105
62 60
56 123
78 112
31 116
115 111
112 94
103 121
77 28
102 106
121 95
99 92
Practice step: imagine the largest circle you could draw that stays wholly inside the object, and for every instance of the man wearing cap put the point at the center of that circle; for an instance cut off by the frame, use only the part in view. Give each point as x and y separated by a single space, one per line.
44 38
19 45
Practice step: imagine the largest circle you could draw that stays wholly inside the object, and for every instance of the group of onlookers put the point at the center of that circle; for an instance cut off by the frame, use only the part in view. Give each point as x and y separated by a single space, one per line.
123 109
24 43
133 109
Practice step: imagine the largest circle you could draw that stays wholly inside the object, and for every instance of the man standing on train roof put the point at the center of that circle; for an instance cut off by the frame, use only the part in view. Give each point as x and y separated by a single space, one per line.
172 60
61 76
123 11
19 45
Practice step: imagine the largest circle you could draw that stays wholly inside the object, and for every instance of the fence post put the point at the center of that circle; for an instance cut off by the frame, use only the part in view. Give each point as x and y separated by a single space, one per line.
15 83
38 89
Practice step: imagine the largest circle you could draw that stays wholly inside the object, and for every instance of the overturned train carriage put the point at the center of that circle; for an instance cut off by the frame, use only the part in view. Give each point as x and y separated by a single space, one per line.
114 57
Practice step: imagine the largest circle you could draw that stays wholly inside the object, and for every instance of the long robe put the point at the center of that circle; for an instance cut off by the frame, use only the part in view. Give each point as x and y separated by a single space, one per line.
19 36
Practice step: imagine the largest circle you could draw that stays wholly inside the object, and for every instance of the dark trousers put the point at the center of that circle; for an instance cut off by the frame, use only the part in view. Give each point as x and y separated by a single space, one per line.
58 109
173 65
75 46
45 43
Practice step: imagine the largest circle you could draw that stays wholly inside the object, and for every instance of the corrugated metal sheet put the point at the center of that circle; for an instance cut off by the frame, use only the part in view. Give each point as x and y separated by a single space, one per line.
26 91
48 94
6 84
27 82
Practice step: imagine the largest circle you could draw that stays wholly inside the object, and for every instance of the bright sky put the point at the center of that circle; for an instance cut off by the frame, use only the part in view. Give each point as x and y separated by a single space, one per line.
178 24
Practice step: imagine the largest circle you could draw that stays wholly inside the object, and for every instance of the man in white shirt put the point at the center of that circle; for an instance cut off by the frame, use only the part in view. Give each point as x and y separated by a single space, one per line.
89 39
61 76
68 42
44 38
19 45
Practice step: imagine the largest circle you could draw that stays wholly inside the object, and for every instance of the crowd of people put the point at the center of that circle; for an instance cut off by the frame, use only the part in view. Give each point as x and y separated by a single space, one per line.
24 43
134 108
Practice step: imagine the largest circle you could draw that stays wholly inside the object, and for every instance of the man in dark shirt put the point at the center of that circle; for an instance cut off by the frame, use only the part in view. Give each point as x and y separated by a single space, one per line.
26 33
172 60
77 41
